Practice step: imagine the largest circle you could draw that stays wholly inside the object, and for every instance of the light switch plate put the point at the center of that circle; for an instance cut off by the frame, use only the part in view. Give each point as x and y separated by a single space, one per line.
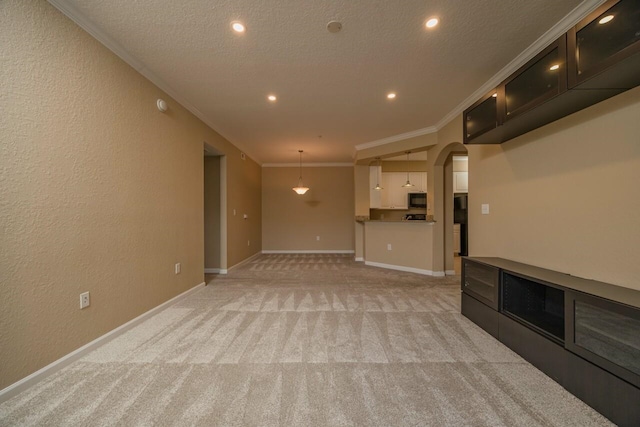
485 209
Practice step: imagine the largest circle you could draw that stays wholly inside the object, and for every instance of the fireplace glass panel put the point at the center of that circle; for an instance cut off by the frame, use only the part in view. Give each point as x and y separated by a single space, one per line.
534 303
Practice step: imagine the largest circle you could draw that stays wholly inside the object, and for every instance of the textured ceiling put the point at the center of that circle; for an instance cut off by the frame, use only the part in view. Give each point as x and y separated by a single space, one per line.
333 85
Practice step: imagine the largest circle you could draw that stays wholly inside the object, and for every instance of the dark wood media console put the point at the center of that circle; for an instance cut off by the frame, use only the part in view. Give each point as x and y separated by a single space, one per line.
583 334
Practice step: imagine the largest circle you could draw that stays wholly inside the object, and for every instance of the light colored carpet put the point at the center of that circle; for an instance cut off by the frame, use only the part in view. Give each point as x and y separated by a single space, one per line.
304 340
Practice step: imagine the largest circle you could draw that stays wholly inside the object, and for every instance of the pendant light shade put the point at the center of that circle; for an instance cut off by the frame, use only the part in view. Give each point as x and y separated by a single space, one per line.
378 187
408 183
300 189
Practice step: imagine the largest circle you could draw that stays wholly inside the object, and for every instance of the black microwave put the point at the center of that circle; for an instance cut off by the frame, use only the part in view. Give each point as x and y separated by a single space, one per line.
418 200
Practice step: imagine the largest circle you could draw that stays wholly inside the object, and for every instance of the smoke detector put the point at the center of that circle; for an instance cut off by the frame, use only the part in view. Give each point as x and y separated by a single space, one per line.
334 26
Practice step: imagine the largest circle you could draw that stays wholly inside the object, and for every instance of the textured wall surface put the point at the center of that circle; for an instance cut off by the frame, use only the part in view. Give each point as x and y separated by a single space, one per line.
100 191
565 196
292 222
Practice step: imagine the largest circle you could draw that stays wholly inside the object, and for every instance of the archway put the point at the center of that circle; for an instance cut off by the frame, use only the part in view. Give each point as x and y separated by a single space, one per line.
442 202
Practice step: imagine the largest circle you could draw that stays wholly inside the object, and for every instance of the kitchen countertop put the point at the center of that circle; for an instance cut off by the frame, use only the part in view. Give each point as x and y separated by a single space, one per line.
365 219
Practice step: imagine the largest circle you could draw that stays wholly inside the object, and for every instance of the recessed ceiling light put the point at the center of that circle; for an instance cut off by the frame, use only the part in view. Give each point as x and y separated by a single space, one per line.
495 95
272 98
238 27
605 19
554 67
391 95
432 22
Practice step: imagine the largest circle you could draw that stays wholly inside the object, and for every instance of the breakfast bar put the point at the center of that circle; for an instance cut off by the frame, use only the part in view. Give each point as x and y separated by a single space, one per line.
400 245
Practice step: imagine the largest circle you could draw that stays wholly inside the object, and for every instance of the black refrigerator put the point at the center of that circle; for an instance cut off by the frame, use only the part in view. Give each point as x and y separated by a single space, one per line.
460 217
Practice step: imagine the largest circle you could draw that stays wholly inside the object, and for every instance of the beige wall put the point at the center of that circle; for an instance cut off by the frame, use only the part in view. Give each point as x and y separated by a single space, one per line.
291 222
403 166
565 196
411 244
212 243
100 191
244 189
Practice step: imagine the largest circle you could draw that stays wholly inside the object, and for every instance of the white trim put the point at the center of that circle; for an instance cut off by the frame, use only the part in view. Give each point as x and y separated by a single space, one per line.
396 138
244 261
407 269
450 272
359 259
71 12
25 383
311 165
224 271
310 252
211 271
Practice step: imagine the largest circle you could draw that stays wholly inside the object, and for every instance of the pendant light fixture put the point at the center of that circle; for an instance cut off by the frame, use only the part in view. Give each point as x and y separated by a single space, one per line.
300 189
408 183
378 187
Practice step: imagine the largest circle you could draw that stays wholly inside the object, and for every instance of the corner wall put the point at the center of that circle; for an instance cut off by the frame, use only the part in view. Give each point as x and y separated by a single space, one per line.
100 191
565 196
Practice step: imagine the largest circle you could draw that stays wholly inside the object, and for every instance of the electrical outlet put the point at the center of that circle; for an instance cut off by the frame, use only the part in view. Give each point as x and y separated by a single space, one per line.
388 246
485 209
318 238
85 301
178 268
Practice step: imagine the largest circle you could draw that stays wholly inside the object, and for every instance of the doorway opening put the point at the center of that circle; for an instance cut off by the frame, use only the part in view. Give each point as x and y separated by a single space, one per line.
215 227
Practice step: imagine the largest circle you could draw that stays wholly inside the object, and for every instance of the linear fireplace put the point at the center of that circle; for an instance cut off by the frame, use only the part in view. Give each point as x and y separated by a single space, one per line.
537 304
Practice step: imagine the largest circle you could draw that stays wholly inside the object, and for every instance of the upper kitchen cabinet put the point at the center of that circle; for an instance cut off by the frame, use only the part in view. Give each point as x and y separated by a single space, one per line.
595 60
605 47
461 182
481 117
375 181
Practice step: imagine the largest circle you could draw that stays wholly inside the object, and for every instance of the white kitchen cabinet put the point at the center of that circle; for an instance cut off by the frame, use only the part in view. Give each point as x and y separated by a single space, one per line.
419 180
394 195
461 182
375 196
456 238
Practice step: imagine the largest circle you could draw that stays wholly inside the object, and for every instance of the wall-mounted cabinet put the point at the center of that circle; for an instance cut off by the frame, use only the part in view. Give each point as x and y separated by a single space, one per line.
597 59
604 47
393 195
461 182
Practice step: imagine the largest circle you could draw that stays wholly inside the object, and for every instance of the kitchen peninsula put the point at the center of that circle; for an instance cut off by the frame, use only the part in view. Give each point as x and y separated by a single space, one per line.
400 245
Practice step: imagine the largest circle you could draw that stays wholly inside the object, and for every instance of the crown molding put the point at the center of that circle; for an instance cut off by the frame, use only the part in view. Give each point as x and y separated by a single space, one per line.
312 165
396 138
561 27
96 32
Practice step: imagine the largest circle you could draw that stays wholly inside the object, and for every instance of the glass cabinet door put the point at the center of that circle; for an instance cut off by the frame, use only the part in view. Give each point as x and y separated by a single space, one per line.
606 36
481 281
606 333
540 79
480 117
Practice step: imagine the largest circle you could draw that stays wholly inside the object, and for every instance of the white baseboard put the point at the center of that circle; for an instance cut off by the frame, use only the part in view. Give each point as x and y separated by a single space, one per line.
311 252
211 271
359 259
450 272
407 269
244 261
26 382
